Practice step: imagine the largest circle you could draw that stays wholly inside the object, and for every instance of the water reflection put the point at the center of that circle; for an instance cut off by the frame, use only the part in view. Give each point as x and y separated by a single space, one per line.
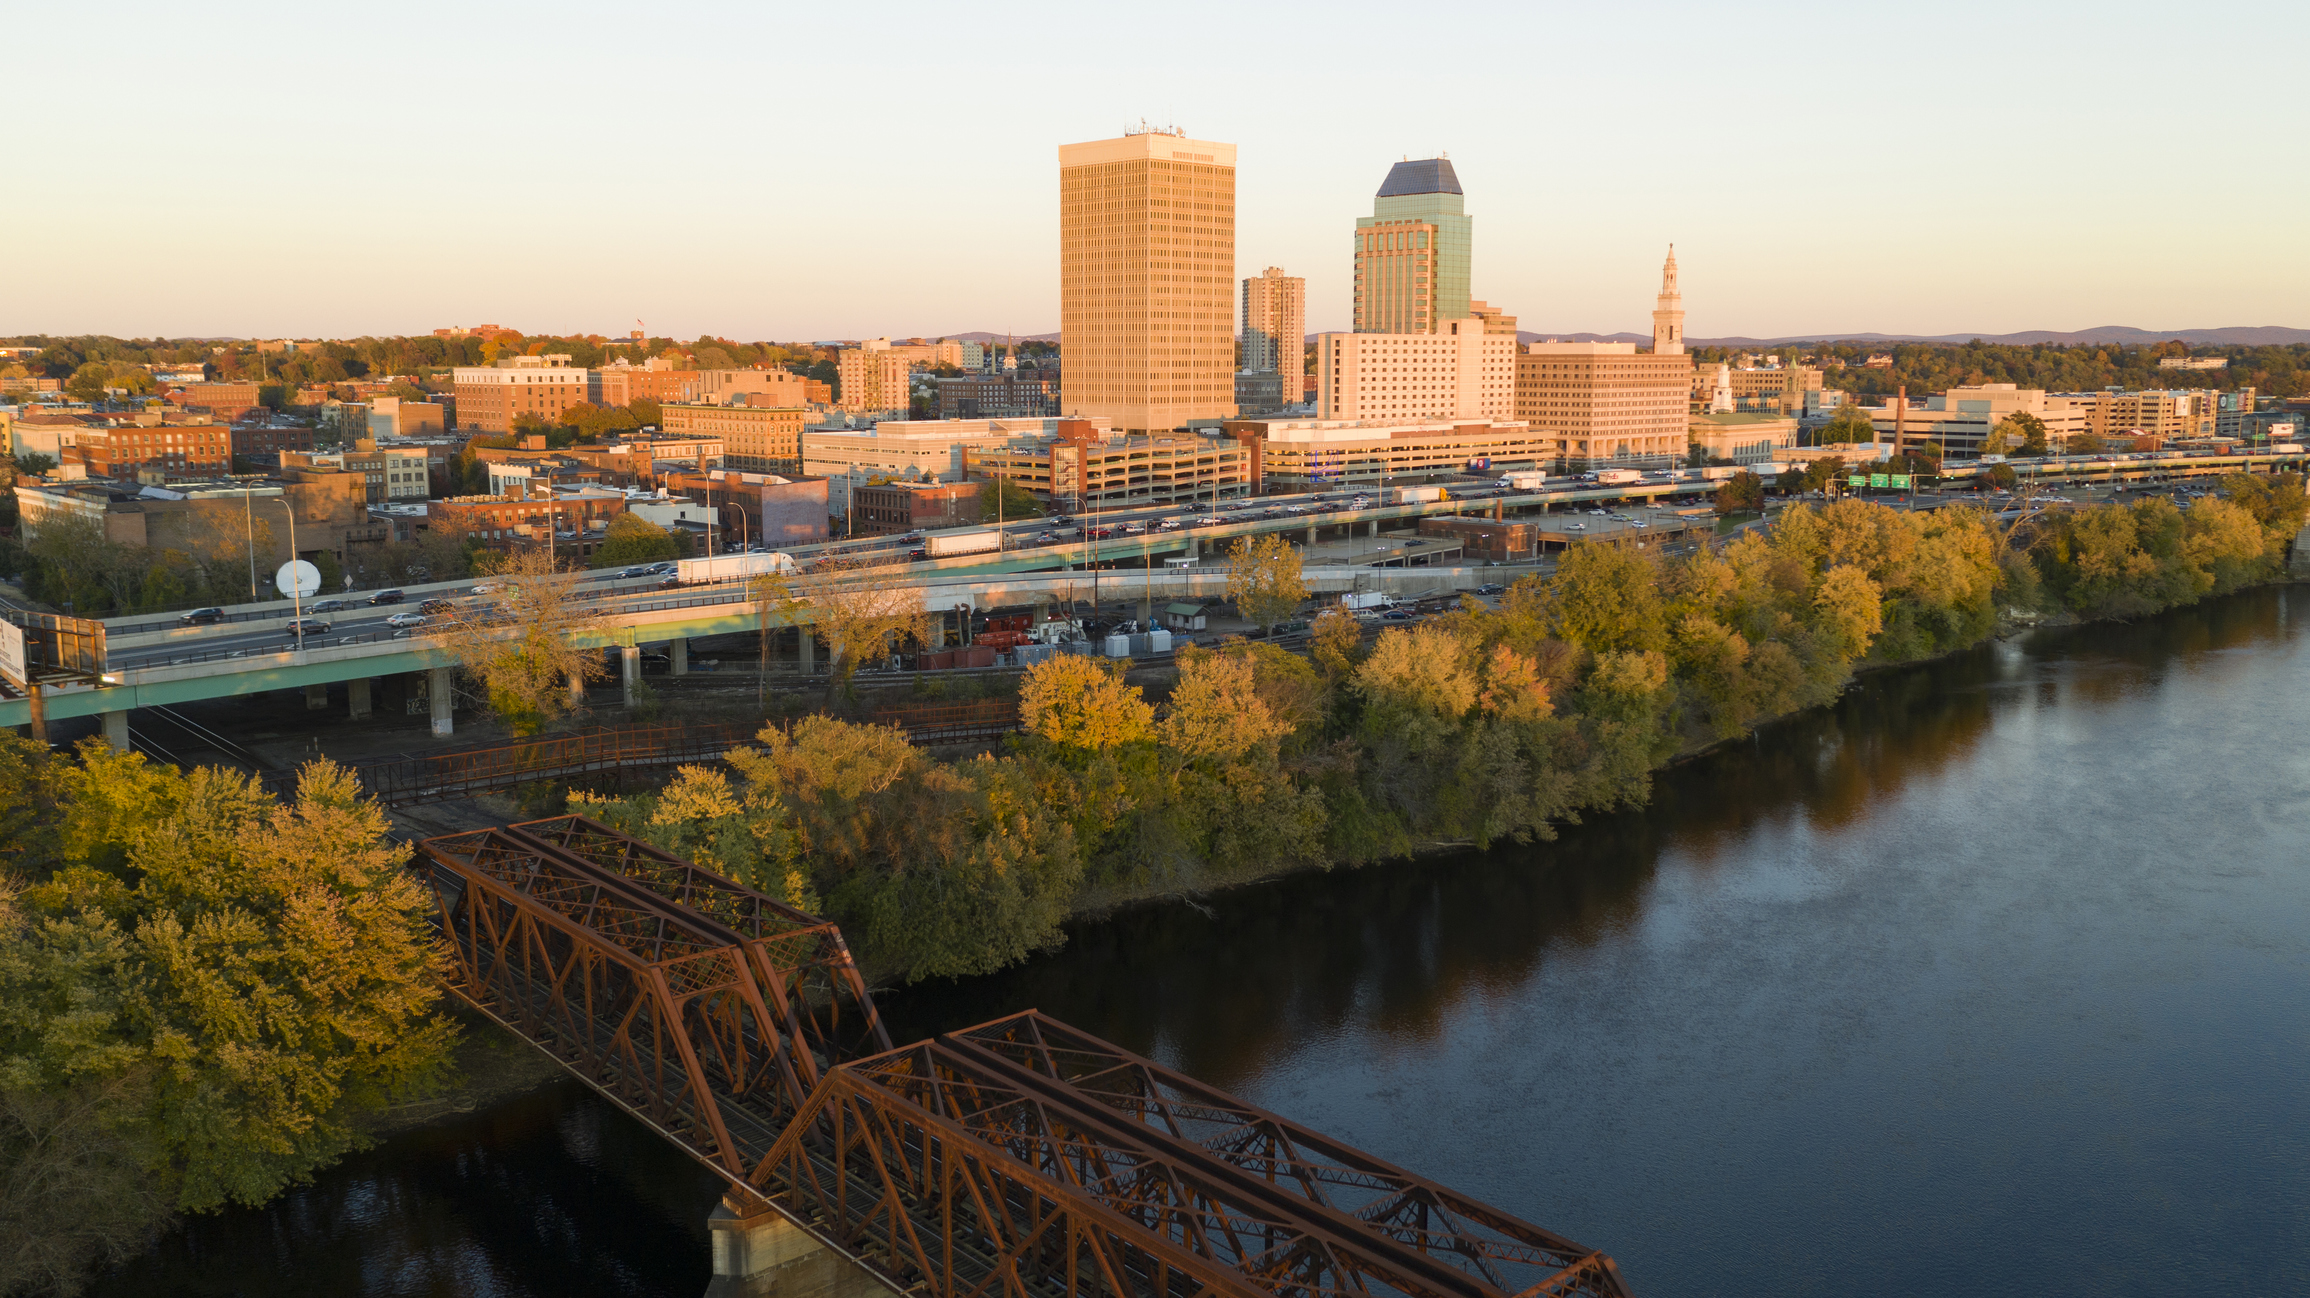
1993 975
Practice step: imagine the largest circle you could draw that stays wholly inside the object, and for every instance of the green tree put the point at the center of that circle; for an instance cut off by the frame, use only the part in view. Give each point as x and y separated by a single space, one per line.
88 382
1264 579
1015 501
1742 491
1606 599
1849 424
1825 474
632 539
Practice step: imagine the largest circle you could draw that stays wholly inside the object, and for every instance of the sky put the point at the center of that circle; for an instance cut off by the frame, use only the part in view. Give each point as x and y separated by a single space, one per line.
845 170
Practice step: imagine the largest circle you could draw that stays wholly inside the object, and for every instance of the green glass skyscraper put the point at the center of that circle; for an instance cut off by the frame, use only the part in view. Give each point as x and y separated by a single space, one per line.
1412 252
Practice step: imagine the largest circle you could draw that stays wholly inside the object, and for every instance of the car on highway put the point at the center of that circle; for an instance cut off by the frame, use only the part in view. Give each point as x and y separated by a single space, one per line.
202 617
436 606
1491 588
484 588
386 597
638 570
406 619
326 606
1399 615
305 626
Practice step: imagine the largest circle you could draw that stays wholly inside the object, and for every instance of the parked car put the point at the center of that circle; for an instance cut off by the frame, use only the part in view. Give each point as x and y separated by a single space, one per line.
305 626
1491 588
406 620
386 597
436 606
202 617
326 606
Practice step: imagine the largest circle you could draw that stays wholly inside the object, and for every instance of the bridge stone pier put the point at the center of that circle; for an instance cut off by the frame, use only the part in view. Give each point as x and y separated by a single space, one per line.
759 1252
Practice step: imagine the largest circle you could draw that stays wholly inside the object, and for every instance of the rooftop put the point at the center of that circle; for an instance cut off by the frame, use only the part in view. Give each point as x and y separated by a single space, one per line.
1426 176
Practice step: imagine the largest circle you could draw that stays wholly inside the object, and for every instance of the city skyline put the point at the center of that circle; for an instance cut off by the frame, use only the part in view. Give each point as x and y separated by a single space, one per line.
1822 173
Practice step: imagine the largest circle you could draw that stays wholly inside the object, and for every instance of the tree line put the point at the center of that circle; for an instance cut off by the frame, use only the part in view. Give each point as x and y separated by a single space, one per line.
1477 727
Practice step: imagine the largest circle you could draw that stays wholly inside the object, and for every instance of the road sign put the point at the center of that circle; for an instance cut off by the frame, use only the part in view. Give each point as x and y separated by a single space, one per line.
1901 481
1879 480
1857 480
297 577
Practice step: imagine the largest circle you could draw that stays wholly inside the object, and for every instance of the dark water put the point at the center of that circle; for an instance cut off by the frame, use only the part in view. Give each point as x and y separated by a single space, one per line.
1993 978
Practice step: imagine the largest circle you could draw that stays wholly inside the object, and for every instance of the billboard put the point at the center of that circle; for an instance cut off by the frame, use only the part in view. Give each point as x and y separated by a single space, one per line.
12 653
46 646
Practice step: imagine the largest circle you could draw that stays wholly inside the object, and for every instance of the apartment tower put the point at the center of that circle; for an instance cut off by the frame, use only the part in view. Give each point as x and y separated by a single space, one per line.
1413 251
1275 323
1146 273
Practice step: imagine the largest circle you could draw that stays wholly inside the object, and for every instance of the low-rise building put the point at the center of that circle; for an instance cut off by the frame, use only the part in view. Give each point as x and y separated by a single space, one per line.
1082 467
1756 385
391 474
1959 421
768 508
887 508
1755 437
2162 414
224 401
491 398
1464 370
1318 454
1496 540
527 515
1261 392
1022 394
756 438
199 517
393 418
916 450
140 445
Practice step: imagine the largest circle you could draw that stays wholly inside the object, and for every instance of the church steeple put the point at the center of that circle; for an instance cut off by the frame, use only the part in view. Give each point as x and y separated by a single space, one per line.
1668 312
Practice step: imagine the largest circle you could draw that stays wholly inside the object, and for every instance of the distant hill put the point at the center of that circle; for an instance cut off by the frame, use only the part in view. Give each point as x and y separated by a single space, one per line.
2235 336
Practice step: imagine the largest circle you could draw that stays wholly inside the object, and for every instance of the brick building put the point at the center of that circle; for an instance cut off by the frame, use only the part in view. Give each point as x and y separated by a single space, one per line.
765 508
1029 394
892 507
225 401
757 438
490 398
271 439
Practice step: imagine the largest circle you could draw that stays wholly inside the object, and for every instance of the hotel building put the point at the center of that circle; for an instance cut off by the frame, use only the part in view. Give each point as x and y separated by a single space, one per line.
1465 370
1146 279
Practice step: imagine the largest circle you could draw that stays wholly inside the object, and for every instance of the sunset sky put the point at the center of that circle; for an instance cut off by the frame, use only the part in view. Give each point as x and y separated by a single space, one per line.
834 171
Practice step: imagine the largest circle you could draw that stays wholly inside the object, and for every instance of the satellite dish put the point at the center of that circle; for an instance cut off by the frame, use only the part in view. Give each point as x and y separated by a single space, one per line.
297 578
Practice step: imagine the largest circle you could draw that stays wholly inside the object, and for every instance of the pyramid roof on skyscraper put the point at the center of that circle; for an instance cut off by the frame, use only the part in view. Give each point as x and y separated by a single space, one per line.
1425 176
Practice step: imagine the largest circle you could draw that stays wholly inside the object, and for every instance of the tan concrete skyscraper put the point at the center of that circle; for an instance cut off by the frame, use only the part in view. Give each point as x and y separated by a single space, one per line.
1668 312
1275 323
1146 280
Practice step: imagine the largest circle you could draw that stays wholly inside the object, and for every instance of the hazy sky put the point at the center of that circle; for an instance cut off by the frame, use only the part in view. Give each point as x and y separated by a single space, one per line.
838 170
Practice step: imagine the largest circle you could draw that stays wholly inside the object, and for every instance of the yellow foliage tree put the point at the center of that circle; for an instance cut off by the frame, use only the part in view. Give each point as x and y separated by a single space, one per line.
1077 702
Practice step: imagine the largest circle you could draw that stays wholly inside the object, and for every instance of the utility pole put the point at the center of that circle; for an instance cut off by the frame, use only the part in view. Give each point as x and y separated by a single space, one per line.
296 588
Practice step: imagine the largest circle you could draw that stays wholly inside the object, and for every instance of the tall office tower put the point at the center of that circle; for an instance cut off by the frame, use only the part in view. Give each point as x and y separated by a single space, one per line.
1146 272
1275 323
1668 312
1412 252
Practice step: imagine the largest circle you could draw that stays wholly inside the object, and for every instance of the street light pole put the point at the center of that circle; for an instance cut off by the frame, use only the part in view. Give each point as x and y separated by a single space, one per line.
296 588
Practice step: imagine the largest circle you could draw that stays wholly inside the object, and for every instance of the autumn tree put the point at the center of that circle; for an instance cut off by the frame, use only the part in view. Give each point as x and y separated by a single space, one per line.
1216 711
518 641
1001 498
1744 491
1264 579
854 605
1076 701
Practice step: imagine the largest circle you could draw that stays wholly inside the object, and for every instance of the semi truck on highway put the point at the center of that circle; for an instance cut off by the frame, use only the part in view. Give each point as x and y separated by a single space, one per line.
949 544
732 567
1609 477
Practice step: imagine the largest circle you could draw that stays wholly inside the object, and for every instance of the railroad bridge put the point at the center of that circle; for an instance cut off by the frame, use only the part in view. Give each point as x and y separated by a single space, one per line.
1021 1157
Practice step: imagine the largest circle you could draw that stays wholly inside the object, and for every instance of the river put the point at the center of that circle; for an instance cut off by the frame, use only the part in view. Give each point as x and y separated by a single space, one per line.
1990 978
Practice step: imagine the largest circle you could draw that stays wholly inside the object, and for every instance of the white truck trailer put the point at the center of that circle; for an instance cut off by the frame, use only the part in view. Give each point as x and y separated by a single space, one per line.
946 545
732 567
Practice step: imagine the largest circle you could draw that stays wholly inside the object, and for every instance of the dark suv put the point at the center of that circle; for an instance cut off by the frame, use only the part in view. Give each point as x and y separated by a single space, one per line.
202 617
386 597
436 606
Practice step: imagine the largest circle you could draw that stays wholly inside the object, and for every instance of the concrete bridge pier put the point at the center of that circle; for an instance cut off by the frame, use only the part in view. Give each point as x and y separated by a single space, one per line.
759 1252
679 652
116 729
629 669
316 698
444 699
809 651
357 698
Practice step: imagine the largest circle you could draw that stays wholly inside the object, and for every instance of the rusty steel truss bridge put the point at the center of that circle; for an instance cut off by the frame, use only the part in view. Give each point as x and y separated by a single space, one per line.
1020 1158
